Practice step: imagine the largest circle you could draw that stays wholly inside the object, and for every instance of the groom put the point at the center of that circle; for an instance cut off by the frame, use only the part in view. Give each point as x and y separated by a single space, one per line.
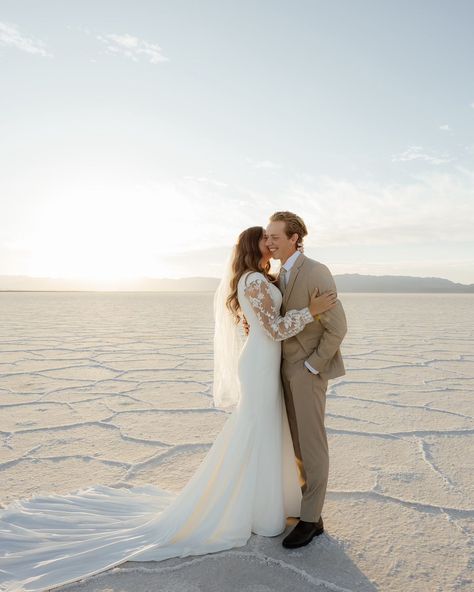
309 360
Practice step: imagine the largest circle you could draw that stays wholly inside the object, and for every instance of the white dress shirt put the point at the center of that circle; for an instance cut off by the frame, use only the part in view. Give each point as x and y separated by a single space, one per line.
287 266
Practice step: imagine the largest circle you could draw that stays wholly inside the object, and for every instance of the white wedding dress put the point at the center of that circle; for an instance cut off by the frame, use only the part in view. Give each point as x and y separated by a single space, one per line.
246 483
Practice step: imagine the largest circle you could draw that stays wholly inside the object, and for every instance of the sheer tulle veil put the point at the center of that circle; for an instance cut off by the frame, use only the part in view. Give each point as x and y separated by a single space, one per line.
227 345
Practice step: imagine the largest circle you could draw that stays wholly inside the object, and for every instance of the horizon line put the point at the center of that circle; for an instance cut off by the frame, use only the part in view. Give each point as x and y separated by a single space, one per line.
214 278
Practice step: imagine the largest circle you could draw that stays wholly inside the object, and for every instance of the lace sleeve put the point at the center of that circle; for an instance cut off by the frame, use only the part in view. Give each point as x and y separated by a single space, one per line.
274 325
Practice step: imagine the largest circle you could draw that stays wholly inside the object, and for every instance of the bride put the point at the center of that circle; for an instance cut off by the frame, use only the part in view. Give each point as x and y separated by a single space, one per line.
247 482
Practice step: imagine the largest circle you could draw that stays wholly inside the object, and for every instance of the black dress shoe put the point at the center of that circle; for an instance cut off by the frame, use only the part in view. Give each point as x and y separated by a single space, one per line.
303 533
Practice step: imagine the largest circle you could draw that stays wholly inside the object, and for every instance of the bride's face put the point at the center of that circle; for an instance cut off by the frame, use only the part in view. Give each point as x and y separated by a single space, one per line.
264 250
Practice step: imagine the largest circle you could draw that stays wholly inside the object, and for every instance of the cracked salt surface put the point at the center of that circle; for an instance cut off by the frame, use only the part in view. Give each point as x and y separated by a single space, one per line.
114 389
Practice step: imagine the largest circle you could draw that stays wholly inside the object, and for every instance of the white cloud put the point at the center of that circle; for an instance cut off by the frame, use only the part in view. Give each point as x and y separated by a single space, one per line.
417 153
263 164
266 164
10 36
434 207
206 181
445 127
353 225
135 223
472 104
133 47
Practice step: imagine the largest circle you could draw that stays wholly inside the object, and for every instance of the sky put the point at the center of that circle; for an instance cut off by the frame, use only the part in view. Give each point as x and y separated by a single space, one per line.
139 138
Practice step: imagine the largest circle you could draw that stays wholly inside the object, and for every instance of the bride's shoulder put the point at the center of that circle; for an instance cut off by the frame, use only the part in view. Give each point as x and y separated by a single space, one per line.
252 277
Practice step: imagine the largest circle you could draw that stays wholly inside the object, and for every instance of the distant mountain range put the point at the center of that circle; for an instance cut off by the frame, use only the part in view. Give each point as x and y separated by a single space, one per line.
353 282
347 282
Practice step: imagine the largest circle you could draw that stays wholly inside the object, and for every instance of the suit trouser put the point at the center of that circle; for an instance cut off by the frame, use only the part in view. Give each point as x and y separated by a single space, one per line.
305 400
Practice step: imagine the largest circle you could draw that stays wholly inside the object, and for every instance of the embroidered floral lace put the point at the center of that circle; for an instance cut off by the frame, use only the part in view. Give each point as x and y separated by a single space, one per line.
258 292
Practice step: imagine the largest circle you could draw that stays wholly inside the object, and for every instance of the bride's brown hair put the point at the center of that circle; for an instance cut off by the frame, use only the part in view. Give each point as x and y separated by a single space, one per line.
247 257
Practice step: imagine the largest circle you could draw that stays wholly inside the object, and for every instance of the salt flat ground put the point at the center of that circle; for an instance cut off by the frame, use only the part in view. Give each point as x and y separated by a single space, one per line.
114 388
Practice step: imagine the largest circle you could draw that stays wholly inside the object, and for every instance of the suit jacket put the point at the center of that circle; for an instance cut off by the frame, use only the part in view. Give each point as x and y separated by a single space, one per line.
319 341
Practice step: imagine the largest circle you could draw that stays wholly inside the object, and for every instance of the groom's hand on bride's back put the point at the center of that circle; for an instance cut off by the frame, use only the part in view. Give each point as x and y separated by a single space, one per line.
245 326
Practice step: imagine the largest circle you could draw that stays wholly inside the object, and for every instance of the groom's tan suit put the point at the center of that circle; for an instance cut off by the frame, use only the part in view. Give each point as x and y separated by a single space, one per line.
305 392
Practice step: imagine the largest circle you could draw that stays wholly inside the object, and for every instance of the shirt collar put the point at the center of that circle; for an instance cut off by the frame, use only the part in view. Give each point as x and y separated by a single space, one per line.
291 261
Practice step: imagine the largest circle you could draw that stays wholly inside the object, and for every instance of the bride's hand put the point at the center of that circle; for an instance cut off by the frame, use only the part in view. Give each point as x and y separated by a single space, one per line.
320 304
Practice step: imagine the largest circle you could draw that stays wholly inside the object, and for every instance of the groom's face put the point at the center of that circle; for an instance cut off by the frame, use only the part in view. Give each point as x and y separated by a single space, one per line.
281 247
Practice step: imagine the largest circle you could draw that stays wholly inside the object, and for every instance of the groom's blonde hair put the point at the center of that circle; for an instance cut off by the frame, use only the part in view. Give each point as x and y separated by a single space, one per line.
293 224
